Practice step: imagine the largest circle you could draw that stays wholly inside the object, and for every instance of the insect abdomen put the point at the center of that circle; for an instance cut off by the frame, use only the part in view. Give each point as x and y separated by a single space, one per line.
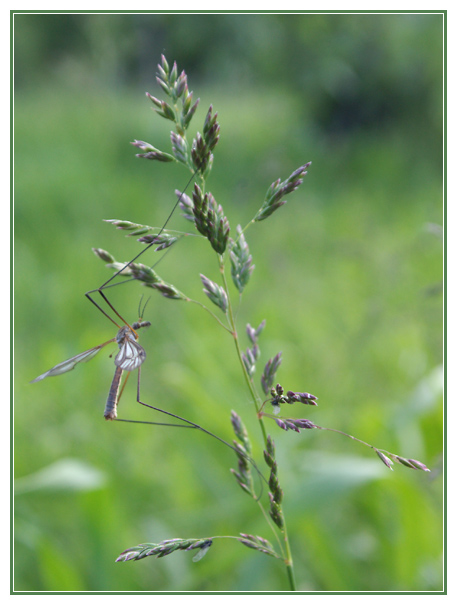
111 403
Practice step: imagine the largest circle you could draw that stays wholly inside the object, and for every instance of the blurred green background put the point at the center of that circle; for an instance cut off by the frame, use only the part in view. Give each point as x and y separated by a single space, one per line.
348 277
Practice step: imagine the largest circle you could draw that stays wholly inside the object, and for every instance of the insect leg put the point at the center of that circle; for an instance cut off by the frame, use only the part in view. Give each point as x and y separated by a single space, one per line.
193 425
87 294
106 284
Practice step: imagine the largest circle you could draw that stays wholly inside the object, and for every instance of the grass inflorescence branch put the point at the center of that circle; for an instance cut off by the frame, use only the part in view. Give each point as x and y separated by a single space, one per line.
210 220
244 452
269 373
274 198
297 424
241 261
142 273
275 494
164 548
215 293
258 543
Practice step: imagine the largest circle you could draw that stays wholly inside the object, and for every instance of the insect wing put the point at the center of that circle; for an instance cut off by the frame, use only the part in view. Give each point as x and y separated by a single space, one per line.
131 355
69 364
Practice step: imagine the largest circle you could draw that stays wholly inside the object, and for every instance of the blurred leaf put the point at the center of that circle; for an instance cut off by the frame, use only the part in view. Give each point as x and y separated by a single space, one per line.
58 571
69 474
427 392
324 477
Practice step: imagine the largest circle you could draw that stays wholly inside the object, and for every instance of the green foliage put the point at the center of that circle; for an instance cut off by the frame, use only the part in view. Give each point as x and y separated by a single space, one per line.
349 285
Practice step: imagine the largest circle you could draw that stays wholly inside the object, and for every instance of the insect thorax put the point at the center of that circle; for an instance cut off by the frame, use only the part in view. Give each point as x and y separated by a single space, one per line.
125 332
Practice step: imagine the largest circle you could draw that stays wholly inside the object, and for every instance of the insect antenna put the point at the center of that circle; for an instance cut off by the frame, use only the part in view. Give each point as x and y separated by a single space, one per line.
140 312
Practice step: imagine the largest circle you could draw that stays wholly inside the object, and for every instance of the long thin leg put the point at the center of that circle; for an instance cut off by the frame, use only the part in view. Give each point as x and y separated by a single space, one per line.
106 284
114 397
178 426
123 386
87 294
191 425
184 426
103 286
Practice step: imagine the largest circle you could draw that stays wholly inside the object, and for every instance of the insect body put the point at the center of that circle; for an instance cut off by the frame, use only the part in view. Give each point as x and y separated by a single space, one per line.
130 356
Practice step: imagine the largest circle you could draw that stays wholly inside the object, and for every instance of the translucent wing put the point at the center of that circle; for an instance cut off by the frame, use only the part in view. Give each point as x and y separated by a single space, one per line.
69 364
131 355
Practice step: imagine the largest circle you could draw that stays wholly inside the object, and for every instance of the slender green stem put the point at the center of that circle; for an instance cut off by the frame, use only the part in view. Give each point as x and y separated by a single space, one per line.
243 231
238 539
323 428
291 575
288 561
196 302
273 528
232 323
257 403
256 399
181 233
372 447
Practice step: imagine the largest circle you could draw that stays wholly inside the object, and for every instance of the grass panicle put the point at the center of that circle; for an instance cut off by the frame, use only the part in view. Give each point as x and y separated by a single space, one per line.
253 334
211 222
275 494
142 273
249 359
306 398
202 146
162 241
241 261
295 424
215 293
269 373
186 205
244 453
162 549
209 219
258 543
103 255
252 353
151 153
278 190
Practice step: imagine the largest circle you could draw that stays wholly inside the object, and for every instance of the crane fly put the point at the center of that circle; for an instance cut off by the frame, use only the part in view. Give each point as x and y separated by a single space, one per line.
130 357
